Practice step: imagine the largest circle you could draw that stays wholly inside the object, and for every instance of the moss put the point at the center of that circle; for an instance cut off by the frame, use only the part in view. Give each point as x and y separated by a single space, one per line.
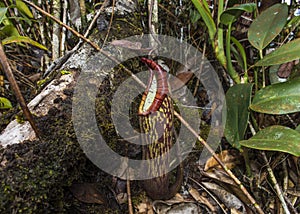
6 116
34 174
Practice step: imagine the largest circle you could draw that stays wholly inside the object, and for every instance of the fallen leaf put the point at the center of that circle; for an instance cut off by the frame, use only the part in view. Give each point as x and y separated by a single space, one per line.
221 177
183 74
164 207
229 158
229 199
122 198
200 199
87 193
180 80
144 207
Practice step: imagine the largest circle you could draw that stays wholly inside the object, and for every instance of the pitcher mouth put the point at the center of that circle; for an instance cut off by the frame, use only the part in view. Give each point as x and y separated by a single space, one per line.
157 88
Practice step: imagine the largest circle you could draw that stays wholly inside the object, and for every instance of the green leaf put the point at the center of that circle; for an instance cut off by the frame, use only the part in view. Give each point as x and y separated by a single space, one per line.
294 22
275 138
18 39
65 72
236 55
267 26
286 53
9 30
241 51
3 11
22 7
194 16
5 103
238 100
274 78
231 14
280 98
203 9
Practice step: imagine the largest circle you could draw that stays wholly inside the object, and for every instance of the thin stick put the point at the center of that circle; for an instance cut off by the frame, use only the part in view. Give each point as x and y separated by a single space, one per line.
152 22
130 208
10 76
275 183
210 194
110 23
201 69
272 177
95 18
63 30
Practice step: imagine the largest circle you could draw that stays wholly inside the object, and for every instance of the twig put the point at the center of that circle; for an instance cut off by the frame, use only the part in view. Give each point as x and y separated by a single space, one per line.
56 5
130 208
285 177
63 30
110 23
168 12
276 186
285 187
153 19
104 4
290 205
210 194
272 177
201 69
10 76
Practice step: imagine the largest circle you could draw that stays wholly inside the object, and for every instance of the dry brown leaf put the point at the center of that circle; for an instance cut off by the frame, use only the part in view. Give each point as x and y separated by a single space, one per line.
166 207
87 193
145 207
122 198
222 178
285 69
1 81
229 158
229 199
183 74
199 198
180 80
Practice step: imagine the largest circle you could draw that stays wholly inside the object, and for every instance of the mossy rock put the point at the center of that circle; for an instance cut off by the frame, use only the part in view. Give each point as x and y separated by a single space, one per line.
34 174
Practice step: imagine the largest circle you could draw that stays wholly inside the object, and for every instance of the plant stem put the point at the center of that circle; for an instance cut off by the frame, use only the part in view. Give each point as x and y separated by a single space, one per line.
219 43
263 70
233 74
256 79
